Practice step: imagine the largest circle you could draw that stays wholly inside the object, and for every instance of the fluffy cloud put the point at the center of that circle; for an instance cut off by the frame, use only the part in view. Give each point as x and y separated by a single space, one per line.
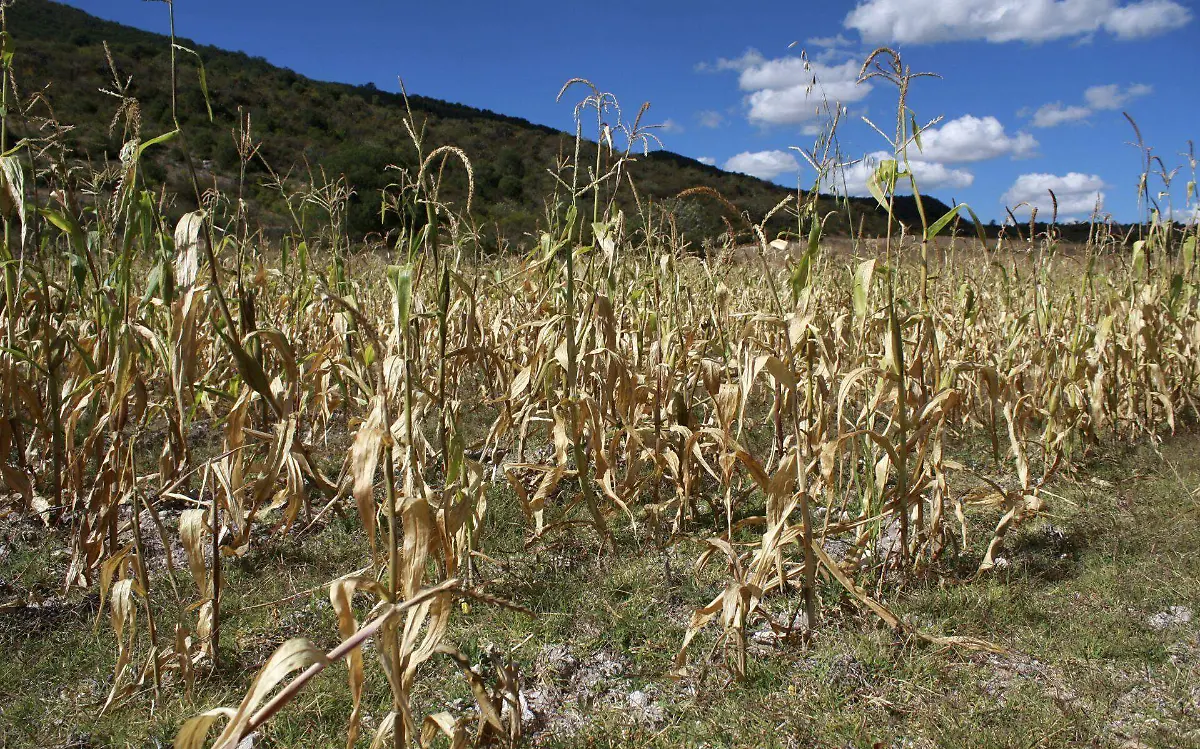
1185 215
749 58
671 126
830 42
928 21
971 138
930 175
784 73
1107 97
790 90
707 160
786 107
1148 18
1113 97
828 48
1078 194
763 164
710 118
1055 114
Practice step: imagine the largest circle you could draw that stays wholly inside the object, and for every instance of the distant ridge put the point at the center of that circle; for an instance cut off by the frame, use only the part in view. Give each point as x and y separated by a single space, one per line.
351 130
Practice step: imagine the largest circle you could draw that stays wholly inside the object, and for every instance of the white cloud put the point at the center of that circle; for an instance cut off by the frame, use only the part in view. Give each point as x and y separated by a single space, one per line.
707 160
1113 97
763 164
790 90
1078 194
929 21
710 118
1185 215
1148 18
971 138
1107 97
829 48
783 73
749 58
671 126
1055 114
830 42
933 176
785 107
852 180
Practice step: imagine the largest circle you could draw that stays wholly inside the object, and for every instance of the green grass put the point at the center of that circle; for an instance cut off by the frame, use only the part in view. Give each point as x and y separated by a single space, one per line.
1073 603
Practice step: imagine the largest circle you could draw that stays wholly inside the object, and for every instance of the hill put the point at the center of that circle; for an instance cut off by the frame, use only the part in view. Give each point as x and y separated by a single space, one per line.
352 130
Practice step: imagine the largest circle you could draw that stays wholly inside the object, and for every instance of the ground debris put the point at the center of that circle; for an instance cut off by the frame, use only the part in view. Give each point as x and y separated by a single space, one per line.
1171 617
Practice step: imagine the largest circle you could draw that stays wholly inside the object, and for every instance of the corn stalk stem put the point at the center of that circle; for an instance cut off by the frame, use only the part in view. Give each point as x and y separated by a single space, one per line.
285 695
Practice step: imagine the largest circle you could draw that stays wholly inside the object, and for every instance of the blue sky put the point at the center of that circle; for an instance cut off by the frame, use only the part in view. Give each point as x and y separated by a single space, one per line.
1031 94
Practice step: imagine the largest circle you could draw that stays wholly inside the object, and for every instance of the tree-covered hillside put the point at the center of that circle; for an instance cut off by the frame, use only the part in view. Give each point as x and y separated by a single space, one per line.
357 131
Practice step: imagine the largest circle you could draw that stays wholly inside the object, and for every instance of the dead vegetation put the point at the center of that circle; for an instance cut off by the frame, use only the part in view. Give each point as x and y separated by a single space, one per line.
808 434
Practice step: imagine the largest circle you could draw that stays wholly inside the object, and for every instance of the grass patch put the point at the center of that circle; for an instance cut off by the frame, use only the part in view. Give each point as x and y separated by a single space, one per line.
1076 601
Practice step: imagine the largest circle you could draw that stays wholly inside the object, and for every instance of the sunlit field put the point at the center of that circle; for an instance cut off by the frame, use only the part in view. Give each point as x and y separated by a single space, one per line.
934 487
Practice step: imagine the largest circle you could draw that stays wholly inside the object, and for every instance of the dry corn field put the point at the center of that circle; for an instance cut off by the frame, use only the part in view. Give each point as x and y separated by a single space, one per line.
804 435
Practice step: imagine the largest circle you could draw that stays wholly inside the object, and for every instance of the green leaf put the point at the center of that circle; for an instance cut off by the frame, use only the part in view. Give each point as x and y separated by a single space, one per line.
17 353
6 49
203 78
801 276
155 141
814 236
569 224
204 88
400 279
862 287
78 271
967 293
12 196
251 371
940 224
454 463
68 225
978 225
1139 257
154 282
883 178
1176 292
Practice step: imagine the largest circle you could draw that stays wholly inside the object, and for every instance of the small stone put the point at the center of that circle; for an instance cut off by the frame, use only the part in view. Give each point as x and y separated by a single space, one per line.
639 700
763 635
1172 617
527 715
557 664
888 542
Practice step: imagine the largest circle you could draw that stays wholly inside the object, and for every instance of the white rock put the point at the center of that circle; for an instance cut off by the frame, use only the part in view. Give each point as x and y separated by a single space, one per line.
527 715
1172 617
763 635
639 699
